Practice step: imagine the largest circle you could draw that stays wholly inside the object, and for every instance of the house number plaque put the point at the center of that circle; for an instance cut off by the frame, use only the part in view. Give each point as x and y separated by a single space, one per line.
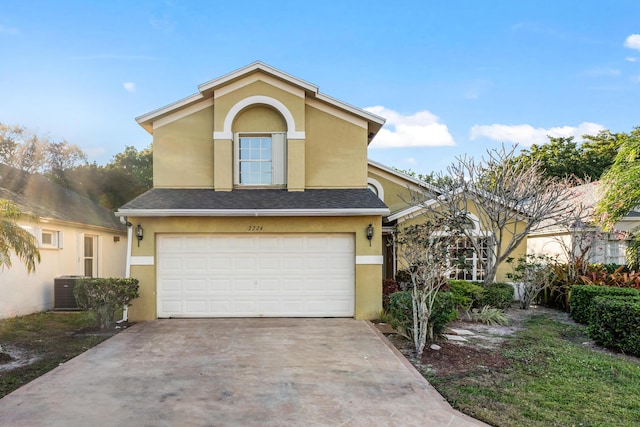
255 228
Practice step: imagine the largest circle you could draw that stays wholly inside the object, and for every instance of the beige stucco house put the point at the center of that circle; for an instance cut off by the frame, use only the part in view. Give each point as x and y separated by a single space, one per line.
401 193
260 204
584 235
76 237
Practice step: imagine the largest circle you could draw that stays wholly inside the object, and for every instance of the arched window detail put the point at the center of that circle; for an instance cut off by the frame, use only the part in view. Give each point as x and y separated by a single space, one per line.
376 187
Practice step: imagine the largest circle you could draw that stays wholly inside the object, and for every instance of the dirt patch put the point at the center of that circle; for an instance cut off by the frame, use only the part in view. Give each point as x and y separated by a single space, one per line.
15 357
480 352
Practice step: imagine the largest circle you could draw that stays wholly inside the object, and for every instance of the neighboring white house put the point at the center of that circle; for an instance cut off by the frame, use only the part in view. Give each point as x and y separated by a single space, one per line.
583 234
76 236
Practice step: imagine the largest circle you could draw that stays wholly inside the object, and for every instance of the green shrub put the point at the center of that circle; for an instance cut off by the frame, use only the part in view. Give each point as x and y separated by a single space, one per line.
615 323
401 312
498 295
103 296
582 297
465 294
444 312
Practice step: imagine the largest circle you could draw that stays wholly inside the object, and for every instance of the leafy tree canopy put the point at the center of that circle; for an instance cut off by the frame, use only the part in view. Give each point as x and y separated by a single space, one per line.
621 182
127 176
565 157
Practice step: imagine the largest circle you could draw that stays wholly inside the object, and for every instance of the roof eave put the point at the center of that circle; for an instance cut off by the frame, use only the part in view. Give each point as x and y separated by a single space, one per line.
251 212
146 120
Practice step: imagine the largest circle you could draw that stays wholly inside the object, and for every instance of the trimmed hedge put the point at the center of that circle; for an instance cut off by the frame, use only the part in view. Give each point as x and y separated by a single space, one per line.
474 294
401 311
466 294
582 297
615 323
498 295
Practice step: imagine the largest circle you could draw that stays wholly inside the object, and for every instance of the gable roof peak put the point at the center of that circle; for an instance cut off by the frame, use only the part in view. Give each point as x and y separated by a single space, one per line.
252 68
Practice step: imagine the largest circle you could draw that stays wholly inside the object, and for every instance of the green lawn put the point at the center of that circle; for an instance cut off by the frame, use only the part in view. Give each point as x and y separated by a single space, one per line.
51 337
554 380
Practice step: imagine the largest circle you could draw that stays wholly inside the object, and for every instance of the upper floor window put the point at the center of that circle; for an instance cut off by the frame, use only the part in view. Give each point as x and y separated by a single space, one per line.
260 159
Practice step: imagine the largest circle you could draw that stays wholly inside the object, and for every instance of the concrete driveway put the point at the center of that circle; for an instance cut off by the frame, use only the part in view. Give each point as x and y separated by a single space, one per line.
235 372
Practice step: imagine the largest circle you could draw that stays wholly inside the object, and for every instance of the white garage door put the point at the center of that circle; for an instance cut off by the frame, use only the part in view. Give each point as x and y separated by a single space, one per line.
255 275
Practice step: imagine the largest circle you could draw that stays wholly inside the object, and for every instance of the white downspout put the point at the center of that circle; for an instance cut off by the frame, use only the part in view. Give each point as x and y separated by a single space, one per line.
127 270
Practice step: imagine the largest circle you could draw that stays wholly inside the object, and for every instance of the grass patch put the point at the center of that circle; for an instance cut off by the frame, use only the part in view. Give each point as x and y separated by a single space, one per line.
50 338
552 380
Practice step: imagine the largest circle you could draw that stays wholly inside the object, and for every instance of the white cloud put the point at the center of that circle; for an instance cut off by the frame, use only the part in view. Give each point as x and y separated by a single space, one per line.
527 135
633 42
129 86
422 129
631 59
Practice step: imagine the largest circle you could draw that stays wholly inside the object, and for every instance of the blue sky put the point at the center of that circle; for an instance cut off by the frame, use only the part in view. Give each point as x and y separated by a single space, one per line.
452 77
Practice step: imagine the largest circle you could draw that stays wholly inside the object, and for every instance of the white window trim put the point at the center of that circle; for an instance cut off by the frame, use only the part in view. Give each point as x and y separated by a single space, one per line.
264 100
97 254
56 239
278 159
378 187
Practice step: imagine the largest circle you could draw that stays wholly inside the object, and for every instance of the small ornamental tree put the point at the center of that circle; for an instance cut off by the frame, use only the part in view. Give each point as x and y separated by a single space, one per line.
423 252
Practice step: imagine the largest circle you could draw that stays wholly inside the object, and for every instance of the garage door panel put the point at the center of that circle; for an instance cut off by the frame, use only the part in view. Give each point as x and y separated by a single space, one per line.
244 264
170 285
196 307
255 275
267 243
170 263
220 266
195 244
268 285
242 285
220 285
171 244
195 285
269 263
196 263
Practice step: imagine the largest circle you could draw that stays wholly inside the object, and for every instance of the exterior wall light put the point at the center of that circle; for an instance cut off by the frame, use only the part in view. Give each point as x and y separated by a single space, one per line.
139 233
370 233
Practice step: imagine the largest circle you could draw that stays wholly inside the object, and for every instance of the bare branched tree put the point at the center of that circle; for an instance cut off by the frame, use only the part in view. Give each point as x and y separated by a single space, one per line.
509 196
422 252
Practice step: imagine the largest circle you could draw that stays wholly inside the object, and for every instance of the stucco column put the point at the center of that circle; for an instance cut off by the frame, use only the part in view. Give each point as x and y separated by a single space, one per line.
222 164
295 165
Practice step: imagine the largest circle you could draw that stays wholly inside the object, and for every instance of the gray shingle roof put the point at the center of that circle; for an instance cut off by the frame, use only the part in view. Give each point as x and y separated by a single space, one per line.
250 199
36 195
